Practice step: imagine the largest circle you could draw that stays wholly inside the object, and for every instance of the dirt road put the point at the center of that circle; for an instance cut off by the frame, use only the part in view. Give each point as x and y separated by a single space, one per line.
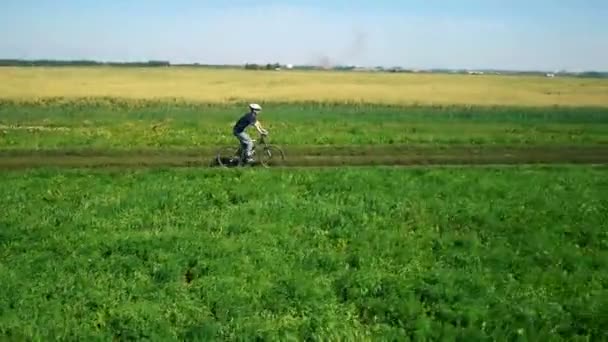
315 156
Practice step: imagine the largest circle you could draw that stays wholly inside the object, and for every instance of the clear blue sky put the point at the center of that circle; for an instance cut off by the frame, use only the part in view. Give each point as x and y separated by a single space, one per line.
509 34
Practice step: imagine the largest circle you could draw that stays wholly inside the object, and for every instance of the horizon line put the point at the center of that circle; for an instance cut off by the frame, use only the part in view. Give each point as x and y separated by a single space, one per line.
101 62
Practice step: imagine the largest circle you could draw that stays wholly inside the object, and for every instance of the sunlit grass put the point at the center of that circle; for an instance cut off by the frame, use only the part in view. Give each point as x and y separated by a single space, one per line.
375 254
227 86
124 124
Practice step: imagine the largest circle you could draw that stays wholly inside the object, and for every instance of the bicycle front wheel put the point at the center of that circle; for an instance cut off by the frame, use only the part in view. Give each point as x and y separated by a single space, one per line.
272 156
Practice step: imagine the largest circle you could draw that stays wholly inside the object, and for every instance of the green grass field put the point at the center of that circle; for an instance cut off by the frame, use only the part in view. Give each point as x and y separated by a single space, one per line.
361 254
355 253
114 124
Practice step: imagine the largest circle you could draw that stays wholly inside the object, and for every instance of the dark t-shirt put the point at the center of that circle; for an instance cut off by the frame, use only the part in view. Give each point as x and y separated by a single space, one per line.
244 121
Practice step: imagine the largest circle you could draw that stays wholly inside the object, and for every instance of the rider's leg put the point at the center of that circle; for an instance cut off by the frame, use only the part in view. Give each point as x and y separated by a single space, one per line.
247 143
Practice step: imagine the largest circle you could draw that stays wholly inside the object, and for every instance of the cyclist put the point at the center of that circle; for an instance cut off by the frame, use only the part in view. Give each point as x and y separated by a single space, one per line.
248 119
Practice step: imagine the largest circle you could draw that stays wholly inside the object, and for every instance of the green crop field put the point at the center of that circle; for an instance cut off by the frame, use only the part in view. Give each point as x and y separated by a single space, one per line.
107 250
107 131
115 124
360 254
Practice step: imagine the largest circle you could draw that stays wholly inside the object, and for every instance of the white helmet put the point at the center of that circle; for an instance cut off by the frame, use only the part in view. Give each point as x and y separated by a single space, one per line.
255 107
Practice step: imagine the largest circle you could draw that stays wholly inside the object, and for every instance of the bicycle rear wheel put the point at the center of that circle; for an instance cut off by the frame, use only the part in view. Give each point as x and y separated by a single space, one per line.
271 156
228 157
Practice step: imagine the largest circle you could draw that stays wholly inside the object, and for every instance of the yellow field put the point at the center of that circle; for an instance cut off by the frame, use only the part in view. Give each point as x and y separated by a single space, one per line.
208 85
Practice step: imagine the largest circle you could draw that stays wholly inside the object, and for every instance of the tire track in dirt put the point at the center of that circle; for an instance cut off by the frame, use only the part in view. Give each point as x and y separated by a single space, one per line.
315 156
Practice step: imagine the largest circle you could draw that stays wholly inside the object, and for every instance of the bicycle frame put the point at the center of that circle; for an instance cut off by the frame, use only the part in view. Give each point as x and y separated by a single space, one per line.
267 151
255 144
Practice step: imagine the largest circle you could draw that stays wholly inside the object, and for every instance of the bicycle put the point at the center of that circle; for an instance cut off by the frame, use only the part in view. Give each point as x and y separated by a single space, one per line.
271 154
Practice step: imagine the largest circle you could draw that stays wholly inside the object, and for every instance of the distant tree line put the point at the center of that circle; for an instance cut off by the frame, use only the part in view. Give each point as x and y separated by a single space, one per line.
54 63
275 66
269 66
593 74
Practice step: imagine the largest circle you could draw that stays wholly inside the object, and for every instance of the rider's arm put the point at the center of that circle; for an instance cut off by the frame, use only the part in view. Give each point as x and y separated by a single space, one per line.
260 129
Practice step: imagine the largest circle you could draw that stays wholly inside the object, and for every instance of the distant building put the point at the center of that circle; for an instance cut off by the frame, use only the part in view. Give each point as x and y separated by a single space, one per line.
550 75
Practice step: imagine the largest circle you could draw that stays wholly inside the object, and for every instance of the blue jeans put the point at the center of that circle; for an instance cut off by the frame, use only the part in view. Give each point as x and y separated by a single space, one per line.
246 143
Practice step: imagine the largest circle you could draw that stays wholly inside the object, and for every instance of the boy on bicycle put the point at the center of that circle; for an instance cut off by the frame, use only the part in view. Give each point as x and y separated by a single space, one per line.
245 121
